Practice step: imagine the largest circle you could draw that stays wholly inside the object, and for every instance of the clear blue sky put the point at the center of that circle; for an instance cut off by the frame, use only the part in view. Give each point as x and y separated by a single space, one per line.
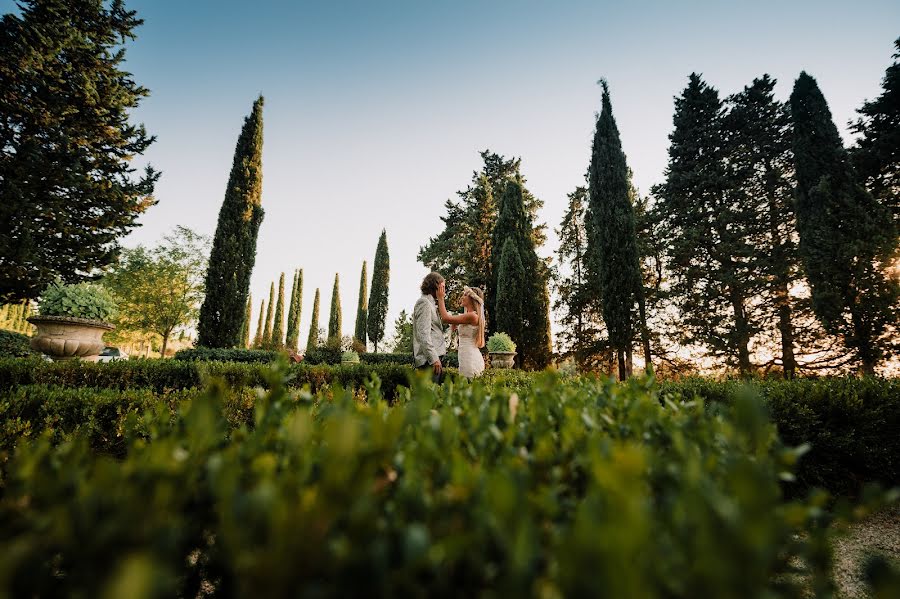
375 111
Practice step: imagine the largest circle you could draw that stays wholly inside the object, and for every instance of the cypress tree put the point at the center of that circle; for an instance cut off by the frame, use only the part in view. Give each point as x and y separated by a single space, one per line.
514 224
378 295
511 281
876 155
245 330
258 338
709 227
362 307
290 312
615 241
758 141
293 332
233 252
267 342
278 324
847 239
313 340
334 319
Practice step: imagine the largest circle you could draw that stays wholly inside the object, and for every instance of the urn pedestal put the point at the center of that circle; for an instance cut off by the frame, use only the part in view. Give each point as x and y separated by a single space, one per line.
503 359
65 338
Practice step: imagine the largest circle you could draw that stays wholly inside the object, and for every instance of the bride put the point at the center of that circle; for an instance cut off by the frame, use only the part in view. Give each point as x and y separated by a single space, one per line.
471 328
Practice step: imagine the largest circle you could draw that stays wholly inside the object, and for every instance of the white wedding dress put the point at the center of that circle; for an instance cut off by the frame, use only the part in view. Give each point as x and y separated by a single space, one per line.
471 362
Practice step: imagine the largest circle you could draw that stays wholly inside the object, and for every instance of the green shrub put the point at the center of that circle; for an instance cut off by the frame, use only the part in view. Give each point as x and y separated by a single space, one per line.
501 343
79 300
401 358
206 354
14 345
323 355
350 357
566 489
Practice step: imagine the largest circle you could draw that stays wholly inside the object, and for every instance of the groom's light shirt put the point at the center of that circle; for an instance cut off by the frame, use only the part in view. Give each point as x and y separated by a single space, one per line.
429 343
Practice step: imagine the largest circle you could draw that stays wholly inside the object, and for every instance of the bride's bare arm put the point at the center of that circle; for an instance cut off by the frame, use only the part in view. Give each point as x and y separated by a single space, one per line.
464 318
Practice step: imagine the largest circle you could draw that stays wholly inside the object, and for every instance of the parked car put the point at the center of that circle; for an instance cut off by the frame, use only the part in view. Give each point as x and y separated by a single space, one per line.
112 353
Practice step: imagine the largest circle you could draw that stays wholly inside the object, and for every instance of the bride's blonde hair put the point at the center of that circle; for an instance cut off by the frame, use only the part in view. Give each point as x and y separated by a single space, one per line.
477 296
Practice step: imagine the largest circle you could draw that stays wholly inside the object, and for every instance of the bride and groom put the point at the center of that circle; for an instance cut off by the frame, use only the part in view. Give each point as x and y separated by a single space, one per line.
429 316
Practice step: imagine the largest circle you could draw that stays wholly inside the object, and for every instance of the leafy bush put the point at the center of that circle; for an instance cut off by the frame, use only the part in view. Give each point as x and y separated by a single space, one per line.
14 345
206 354
324 355
501 343
350 357
79 300
402 358
582 488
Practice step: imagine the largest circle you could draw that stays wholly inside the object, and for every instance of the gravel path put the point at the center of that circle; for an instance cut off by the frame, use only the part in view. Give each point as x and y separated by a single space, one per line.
879 533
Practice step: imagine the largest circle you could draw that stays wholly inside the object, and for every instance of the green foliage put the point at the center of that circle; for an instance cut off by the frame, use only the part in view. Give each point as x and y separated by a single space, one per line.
530 328
313 341
278 318
611 198
207 354
378 295
260 326
403 334
14 317
14 345
847 239
245 328
68 191
576 487
233 252
500 343
78 300
296 310
877 148
267 327
334 319
323 354
160 289
362 308
349 357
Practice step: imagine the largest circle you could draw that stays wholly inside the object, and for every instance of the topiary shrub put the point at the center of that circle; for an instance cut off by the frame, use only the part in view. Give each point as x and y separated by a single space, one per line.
501 343
14 345
80 300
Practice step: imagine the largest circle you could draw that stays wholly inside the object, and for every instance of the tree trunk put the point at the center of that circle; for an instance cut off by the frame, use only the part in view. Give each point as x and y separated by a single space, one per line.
742 333
786 329
165 344
645 332
629 366
620 358
864 346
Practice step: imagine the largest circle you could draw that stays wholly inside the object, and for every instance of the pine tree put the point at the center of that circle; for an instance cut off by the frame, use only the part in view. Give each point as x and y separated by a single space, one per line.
362 307
278 324
511 282
293 332
876 155
68 193
233 252
709 225
582 332
267 341
245 329
334 319
258 338
313 340
378 295
403 334
514 224
758 140
615 240
847 239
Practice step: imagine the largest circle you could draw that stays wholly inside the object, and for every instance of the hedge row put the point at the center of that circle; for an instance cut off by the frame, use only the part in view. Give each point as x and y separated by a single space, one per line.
567 488
319 355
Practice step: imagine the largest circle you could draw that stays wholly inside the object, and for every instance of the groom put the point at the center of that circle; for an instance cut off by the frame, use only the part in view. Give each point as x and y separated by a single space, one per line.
429 345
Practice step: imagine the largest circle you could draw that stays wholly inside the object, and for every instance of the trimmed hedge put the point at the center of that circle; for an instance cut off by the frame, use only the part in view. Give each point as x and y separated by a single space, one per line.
15 345
205 354
401 358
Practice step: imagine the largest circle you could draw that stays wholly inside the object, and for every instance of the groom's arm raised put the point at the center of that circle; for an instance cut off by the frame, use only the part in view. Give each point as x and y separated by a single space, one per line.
422 326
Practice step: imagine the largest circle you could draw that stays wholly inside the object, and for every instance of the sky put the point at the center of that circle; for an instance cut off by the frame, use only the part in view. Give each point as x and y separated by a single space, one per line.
375 111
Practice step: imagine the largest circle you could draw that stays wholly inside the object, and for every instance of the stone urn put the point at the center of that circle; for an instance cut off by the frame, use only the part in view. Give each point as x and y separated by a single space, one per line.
65 337
503 359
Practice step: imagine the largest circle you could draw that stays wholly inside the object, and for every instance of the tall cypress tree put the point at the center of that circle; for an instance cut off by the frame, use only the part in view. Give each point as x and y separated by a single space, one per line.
615 240
290 312
293 332
334 319
245 330
876 155
709 225
234 245
378 295
260 330
267 331
511 281
847 239
313 340
362 307
758 142
514 224
278 324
